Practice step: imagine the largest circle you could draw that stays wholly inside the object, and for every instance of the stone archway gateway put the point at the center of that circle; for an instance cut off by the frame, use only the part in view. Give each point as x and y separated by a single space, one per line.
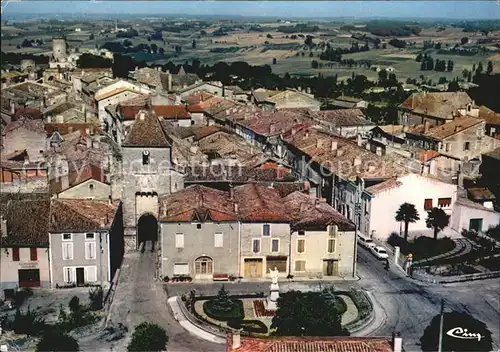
147 228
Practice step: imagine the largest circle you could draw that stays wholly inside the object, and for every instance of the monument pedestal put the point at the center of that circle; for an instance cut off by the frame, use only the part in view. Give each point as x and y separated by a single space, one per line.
272 299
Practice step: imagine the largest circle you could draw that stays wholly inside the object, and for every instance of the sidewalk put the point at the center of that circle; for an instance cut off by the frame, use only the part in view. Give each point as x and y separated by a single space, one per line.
191 328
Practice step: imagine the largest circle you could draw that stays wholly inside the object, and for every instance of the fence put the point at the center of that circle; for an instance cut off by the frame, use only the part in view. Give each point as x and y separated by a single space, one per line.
422 275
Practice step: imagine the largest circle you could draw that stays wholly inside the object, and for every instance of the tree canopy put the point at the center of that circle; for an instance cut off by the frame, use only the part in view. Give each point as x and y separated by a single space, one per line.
55 340
437 220
307 314
148 337
407 214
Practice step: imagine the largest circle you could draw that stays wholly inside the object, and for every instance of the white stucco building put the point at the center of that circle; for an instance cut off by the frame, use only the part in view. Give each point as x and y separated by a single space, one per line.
422 191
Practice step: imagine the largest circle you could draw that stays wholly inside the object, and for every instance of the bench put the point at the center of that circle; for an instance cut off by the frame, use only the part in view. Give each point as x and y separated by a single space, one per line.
220 277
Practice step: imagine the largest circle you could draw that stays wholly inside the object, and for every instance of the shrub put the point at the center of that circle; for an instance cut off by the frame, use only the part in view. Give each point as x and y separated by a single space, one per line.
235 312
252 326
148 337
96 297
28 323
79 316
55 340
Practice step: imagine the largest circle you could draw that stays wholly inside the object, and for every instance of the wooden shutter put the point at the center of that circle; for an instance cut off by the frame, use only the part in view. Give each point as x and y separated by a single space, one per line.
301 246
90 274
444 202
33 254
331 245
15 254
428 204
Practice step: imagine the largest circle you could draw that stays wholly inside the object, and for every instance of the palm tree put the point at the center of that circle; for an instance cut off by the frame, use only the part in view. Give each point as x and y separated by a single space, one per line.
437 219
407 213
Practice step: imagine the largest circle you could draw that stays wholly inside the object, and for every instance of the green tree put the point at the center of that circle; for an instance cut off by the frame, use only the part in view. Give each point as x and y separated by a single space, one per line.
489 68
450 65
55 340
274 61
437 220
407 213
479 69
464 40
307 314
465 73
419 57
452 320
148 337
223 302
193 44
91 36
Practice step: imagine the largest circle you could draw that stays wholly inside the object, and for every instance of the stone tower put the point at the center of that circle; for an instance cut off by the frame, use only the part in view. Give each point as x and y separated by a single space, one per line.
146 173
59 48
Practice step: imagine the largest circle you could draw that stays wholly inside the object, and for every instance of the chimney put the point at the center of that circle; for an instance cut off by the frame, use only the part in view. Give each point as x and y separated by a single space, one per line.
379 151
318 143
164 208
59 119
334 146
236 340
231 192
89 143
95 144
357 161
303 207
169 81
49 118
271 185
110 201
308 90
359 140
271 128
177 100
4 227
227 112
294 130
307 134
142 115
427 125
236 207
397 342
12 107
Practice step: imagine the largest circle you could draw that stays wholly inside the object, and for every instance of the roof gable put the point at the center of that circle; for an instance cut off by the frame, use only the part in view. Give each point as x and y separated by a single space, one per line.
146 132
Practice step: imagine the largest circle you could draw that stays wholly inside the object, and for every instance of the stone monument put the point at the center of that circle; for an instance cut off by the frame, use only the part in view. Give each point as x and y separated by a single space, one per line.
272 298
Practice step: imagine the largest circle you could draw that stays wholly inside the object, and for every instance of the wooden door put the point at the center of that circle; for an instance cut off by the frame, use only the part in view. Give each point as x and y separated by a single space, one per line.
80 276
253 267
331 268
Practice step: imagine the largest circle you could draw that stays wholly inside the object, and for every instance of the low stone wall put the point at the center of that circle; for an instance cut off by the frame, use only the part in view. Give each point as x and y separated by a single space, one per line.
365 313
422 275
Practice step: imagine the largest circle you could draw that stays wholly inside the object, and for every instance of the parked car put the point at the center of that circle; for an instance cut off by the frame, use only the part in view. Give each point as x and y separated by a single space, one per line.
365 242
379 252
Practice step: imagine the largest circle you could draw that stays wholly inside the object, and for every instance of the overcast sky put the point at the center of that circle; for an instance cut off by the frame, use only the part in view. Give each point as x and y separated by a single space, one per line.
357 9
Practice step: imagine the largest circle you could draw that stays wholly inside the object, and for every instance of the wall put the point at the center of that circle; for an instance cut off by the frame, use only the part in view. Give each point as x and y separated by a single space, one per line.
212 89
78 240
9 277
316 250
250 231
26 185
34 142
456 142
462 214
200 242
415 189
137 178
100 190
115 99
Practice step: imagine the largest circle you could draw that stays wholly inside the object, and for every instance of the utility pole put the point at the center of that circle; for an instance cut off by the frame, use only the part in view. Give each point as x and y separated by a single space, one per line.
440 344
357 212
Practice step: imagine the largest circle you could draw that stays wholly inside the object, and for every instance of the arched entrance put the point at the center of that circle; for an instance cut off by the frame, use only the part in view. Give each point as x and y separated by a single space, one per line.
147 228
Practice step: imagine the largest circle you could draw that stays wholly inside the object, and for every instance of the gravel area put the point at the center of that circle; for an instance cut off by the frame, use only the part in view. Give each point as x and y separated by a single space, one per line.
352 311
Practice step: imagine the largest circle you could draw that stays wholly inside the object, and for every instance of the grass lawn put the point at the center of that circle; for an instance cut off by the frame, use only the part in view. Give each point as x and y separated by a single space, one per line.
236 311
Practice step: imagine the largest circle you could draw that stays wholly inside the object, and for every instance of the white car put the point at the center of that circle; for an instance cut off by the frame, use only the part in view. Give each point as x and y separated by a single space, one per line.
366 242
379 252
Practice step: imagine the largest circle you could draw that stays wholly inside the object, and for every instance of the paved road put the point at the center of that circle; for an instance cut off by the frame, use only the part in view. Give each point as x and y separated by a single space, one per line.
410 305
406 305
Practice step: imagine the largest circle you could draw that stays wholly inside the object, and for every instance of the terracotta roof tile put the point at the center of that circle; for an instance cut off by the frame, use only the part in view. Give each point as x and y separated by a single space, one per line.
146 132
384 186
27 223
312 344
442 105
172 111
480 194
111 93
81 215
343 117
446 130
491 117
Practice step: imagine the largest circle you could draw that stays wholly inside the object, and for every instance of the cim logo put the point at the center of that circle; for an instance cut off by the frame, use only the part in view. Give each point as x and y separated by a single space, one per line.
460 333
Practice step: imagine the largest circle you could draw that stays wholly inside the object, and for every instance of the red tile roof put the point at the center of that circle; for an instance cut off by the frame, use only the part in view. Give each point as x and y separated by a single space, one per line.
384 186
311 344
172 111
146 132
81 215
261 203
442 105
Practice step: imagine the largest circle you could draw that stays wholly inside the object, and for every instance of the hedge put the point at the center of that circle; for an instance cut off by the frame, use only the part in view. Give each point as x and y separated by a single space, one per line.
251 326
236 311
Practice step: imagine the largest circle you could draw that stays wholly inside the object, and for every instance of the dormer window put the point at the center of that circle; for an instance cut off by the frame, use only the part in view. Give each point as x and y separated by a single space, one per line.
145 157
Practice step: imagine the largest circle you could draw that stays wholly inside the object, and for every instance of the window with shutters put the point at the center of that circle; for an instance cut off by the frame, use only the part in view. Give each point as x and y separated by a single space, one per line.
90 250
301 246
33 254
219 239
300 265
444 202
275 245
331 245
90 274
266 230
179 240
256 246
15 254
204 265
69 274
428 204
67 251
